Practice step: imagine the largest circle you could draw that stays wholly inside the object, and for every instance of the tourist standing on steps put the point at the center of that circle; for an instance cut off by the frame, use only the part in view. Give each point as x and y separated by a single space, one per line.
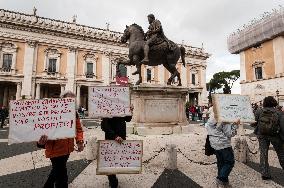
59 150
115 129
220 135
269 128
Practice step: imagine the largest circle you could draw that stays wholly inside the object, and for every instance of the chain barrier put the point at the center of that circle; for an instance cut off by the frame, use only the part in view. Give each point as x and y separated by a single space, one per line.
153 157
196 162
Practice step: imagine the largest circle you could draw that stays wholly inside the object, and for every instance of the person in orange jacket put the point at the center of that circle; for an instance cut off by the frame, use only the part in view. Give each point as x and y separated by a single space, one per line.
59 150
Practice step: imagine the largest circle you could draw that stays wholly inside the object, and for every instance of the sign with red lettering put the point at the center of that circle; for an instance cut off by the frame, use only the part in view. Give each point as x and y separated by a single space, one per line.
115 158
110 101
30 119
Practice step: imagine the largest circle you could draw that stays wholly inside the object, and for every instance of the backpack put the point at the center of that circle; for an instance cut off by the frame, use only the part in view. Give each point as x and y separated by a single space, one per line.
268 123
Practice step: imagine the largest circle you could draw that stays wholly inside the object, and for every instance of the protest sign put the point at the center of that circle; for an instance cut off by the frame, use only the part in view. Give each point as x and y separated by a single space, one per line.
109 101
230 108
115 158
30 119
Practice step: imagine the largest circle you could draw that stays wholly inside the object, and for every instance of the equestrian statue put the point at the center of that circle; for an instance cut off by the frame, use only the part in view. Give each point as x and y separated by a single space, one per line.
152 48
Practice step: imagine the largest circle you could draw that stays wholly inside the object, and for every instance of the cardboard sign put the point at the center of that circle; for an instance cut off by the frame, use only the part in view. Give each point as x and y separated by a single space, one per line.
30 119
111 101
115 158
230 108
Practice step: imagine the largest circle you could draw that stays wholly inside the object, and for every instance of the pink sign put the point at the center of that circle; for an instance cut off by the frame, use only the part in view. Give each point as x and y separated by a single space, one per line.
30 119
123 81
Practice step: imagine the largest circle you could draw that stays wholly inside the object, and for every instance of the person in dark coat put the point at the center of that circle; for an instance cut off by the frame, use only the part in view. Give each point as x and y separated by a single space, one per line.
3 115
115 129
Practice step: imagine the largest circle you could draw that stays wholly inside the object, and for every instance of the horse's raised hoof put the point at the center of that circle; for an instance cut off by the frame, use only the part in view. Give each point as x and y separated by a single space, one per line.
136 72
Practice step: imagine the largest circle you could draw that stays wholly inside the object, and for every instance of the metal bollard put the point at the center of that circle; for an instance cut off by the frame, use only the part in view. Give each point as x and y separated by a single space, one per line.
172 157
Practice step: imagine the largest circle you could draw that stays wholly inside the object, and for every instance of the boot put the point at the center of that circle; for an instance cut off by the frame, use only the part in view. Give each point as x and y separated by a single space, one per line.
146 53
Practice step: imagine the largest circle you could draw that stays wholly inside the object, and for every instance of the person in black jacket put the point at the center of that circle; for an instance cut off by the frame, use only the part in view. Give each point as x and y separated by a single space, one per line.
115 129
3 115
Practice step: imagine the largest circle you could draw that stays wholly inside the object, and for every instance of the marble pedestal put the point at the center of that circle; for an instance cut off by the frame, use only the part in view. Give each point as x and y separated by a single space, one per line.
158 109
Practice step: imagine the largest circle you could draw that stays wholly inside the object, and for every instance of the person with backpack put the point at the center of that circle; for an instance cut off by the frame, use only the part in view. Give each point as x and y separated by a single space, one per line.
220 135
269 128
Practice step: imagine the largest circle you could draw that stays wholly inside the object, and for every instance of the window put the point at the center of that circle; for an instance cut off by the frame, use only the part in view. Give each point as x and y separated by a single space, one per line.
52 62
193 79
7 62
90 65
52 65
90 68
149 75
121 70
258 73
8 55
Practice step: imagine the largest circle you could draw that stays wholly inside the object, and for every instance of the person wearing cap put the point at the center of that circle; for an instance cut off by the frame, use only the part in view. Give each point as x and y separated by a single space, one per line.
59 150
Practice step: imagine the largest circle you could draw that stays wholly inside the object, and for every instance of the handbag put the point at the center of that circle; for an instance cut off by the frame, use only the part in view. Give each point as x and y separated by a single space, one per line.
208 148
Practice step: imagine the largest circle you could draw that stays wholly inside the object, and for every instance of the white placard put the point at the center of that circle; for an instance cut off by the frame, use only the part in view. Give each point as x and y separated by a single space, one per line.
115 158
230 108
110 101
30 119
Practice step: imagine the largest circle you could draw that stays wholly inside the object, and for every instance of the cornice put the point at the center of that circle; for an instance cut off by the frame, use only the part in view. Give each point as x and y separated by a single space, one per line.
42 25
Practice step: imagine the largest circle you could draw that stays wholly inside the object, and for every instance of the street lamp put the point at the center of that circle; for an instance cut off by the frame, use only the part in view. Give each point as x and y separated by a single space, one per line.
277 94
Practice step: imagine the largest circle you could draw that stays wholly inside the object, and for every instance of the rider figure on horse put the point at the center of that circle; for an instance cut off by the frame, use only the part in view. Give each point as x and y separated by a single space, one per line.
154 35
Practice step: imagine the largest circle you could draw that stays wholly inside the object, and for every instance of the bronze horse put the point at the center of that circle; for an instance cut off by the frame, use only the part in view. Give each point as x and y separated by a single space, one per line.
159 54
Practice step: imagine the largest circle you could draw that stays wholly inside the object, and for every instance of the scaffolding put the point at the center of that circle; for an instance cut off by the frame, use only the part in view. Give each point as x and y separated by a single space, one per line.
258 31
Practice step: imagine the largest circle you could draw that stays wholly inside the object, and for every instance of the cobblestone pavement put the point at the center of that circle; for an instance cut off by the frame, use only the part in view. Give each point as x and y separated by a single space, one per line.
25 166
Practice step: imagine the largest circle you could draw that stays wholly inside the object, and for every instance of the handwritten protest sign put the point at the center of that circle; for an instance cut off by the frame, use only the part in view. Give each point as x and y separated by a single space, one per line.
230 108
30 119
115 158
111 101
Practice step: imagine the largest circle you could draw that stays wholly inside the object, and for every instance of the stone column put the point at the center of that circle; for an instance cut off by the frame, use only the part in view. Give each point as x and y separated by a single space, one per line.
70 70
62 88
161 74
106 68
5 97
28 68
199 99
19 90
78 94
37 91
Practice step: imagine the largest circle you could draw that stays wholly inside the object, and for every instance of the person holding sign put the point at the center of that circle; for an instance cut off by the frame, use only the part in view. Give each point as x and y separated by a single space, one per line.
115 129
59 150
220 135
269 128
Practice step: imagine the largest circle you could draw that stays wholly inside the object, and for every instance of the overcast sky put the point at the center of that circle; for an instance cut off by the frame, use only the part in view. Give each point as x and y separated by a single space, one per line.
194 21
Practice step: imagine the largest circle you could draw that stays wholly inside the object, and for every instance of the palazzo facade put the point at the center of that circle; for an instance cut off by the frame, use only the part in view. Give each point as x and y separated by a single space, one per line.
42 57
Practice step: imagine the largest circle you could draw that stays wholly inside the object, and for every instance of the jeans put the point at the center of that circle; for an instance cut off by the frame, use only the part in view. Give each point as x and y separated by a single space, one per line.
225 163
113 181
264 143
58 175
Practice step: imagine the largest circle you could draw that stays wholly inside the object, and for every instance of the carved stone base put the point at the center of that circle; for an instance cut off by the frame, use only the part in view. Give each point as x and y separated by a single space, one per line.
158 109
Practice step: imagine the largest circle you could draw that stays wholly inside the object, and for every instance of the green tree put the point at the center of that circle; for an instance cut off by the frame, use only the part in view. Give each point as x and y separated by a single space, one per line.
222 80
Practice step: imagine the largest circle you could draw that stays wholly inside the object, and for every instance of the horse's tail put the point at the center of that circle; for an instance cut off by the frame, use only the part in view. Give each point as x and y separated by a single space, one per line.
182 53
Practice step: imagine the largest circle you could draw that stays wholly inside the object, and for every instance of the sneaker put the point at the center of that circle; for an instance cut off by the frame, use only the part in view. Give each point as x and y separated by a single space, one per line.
218 183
